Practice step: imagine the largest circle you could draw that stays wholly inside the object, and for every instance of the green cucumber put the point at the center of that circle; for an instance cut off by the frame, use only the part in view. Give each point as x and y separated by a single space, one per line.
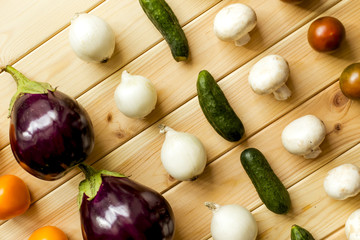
217 109
299 233
269 187
164 19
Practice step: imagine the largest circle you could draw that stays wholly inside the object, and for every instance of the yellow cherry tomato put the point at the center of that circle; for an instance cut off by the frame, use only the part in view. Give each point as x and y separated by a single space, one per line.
14 197
48 233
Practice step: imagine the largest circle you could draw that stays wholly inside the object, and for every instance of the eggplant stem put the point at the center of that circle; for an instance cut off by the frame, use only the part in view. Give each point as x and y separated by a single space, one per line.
87 170
25 85
91 185
18 76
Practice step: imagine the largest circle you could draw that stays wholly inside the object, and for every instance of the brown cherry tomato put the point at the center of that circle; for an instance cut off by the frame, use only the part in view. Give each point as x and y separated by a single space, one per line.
14 197
350 81
48 233
325 34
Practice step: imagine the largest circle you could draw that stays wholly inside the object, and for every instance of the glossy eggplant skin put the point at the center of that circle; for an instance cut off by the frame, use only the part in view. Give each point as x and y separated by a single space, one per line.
49 134
126 210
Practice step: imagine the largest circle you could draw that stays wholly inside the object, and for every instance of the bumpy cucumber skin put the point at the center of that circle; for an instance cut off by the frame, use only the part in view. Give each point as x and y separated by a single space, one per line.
299 233
217 109
164 19
269 187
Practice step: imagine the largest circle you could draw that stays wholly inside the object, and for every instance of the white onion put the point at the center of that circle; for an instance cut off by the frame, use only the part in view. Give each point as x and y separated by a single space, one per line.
182 154
135 96
232 222
91 38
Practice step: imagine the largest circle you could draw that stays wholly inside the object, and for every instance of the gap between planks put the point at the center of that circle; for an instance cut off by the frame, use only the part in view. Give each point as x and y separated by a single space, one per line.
37 45
192 97
261 205
80 94
158 42
220 79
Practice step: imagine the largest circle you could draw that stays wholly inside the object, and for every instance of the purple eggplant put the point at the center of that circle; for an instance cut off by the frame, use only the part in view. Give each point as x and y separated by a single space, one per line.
114 207
50 133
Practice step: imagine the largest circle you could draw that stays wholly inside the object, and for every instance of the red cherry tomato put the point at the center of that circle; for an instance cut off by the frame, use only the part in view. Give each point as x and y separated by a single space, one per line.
326 34
14 197
48 233
350 81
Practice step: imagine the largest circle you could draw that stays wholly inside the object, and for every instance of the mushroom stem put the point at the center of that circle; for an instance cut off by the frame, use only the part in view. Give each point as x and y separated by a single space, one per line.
313 154
282 93
243 40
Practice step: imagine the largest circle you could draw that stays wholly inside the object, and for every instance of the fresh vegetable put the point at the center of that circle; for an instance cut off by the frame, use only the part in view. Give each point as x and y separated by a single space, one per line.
232 222
234 22
343 181
350 81
48 233
217 109
352 226
49 132
269 187
299 233
135 96
303 136
182 154
91 38
326 34
164 19
14 197
114 207
269 75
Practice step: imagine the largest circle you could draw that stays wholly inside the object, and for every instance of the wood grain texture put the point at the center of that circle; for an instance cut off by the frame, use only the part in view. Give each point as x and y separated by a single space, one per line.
338 235
225 182
312 208
55 62
27 24
172 92
133 146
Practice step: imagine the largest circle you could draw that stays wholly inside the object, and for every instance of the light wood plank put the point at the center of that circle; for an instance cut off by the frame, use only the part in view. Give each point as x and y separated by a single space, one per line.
56 63
171 92
126 16
226 182
110 134
113 162
312 208
149 156
44 65
338 235
26 24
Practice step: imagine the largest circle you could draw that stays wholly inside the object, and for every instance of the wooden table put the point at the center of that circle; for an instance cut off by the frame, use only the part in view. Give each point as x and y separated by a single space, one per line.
34 38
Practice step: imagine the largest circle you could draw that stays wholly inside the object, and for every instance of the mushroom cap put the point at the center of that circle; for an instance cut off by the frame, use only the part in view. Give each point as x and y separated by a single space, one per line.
352 226
343 181
269 74
303 135
234 21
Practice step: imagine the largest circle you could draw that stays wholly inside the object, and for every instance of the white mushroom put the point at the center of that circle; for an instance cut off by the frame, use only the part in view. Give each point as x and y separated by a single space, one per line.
343 182
269 75
352 226
303 136
234 22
